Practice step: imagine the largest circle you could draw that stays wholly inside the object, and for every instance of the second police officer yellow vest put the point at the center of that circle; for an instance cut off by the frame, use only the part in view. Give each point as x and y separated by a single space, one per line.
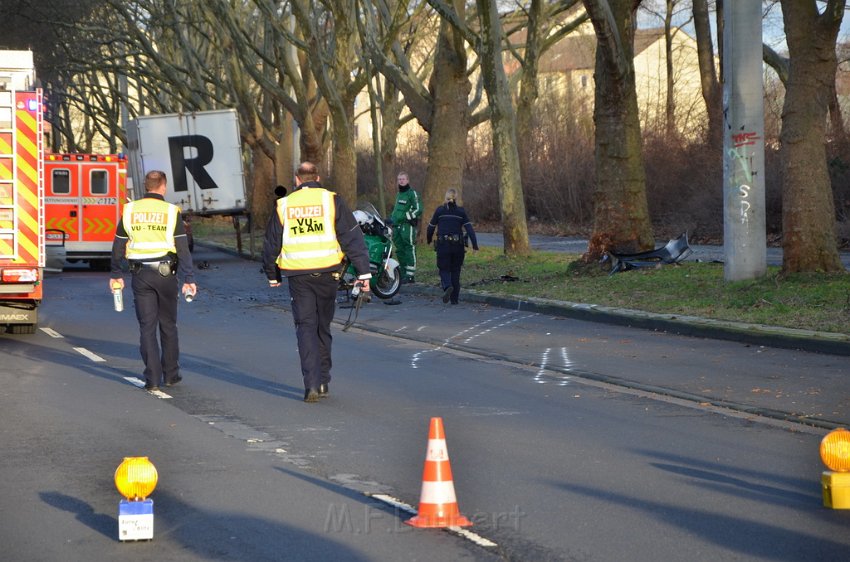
309 237
150 225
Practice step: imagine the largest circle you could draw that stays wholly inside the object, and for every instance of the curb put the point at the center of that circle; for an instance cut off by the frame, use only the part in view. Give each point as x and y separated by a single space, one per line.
695 326
753 334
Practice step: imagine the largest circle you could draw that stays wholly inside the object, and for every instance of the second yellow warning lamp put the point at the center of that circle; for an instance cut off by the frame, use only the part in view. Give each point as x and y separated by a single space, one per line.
835 454
136 479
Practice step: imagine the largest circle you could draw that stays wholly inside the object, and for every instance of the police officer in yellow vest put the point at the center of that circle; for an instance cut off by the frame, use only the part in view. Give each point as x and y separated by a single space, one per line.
307 238
152 237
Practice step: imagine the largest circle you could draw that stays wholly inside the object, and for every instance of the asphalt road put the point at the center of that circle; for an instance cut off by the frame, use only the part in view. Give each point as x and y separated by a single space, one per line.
568 440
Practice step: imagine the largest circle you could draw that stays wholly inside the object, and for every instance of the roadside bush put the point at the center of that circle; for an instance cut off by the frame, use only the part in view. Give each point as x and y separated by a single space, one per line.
684 179
684 188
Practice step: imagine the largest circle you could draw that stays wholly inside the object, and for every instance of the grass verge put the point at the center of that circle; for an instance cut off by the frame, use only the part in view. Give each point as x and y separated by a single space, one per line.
806 301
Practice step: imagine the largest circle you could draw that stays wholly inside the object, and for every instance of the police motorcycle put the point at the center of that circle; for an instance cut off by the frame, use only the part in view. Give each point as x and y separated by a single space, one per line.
386 276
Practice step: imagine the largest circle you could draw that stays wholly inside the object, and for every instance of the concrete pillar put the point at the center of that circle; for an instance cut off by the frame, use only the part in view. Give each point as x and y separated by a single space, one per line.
744 230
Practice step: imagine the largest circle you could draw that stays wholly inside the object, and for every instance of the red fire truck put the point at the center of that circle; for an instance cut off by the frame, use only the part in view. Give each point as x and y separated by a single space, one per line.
22 244
84 199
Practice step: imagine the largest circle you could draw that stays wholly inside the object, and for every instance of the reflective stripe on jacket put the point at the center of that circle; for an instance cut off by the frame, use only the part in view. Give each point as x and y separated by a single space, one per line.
150 225
407 206
309 235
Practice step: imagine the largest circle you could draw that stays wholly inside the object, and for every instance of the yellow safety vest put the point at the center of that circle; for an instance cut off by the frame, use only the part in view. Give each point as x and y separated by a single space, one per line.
150 225
309 240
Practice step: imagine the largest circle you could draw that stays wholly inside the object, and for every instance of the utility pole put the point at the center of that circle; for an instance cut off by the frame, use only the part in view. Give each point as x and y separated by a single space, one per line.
744 229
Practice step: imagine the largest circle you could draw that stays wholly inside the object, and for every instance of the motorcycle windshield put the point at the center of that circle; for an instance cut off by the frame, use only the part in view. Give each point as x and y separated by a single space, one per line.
369 208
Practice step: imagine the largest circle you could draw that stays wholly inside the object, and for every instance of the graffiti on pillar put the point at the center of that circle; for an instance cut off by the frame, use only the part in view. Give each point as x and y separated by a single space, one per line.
744 139
744 174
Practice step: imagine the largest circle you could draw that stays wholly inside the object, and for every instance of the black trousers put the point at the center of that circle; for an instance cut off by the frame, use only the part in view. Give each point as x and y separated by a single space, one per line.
313 305
449 261
155 299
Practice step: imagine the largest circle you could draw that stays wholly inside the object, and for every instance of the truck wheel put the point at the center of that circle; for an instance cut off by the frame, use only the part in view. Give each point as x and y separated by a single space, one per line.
22 329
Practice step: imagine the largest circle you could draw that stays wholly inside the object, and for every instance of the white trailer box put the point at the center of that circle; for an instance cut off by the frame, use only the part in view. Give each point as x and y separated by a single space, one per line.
200 153
17 71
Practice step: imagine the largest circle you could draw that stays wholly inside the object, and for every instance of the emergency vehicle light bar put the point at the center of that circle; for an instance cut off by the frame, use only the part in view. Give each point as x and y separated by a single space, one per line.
86 157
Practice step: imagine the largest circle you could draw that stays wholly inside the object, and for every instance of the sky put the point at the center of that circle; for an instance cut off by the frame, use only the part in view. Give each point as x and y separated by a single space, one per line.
773 33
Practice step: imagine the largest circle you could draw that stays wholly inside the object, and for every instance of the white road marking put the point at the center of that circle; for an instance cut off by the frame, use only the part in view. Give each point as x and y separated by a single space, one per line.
496 327
51 332
544 360
138 383
418 355
565 359
135 381
460 531
86 353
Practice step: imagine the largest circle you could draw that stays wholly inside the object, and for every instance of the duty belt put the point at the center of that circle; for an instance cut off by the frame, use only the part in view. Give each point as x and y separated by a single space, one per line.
449 238
164 267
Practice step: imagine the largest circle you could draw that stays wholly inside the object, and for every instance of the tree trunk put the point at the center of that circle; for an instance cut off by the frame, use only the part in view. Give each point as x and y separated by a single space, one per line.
711 90
503 124
670 115
284 166
333 61
447 138
528 89
312 143
261 195
808 210
392 108
344 166
621 214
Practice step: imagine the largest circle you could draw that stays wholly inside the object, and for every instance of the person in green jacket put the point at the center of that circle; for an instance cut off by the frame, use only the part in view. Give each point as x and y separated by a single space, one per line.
405 219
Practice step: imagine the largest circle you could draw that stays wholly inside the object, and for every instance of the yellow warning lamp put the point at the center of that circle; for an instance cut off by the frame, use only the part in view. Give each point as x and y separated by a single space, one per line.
835 482
136 478
835 450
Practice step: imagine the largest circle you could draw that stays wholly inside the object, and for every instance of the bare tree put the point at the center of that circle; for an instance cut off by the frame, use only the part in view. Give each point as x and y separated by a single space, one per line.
503 125
488 44
436 95
273 84
672 9
808 209
284 75
670 115
450 113
711 88
621 214
328 28
545 25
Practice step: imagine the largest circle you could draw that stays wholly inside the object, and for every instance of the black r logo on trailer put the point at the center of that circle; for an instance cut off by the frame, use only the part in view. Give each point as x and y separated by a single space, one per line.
179 163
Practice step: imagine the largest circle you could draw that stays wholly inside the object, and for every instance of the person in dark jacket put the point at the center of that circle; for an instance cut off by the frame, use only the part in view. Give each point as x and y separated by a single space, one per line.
307 238
449 222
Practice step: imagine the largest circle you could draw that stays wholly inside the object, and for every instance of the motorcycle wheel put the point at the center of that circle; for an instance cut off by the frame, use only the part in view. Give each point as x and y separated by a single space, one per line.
386 284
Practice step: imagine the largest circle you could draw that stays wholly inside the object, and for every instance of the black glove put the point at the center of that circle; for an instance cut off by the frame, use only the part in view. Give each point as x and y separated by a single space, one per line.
414 222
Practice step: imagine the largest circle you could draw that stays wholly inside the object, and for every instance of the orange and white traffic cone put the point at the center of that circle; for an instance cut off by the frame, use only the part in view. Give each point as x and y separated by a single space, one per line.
437 502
